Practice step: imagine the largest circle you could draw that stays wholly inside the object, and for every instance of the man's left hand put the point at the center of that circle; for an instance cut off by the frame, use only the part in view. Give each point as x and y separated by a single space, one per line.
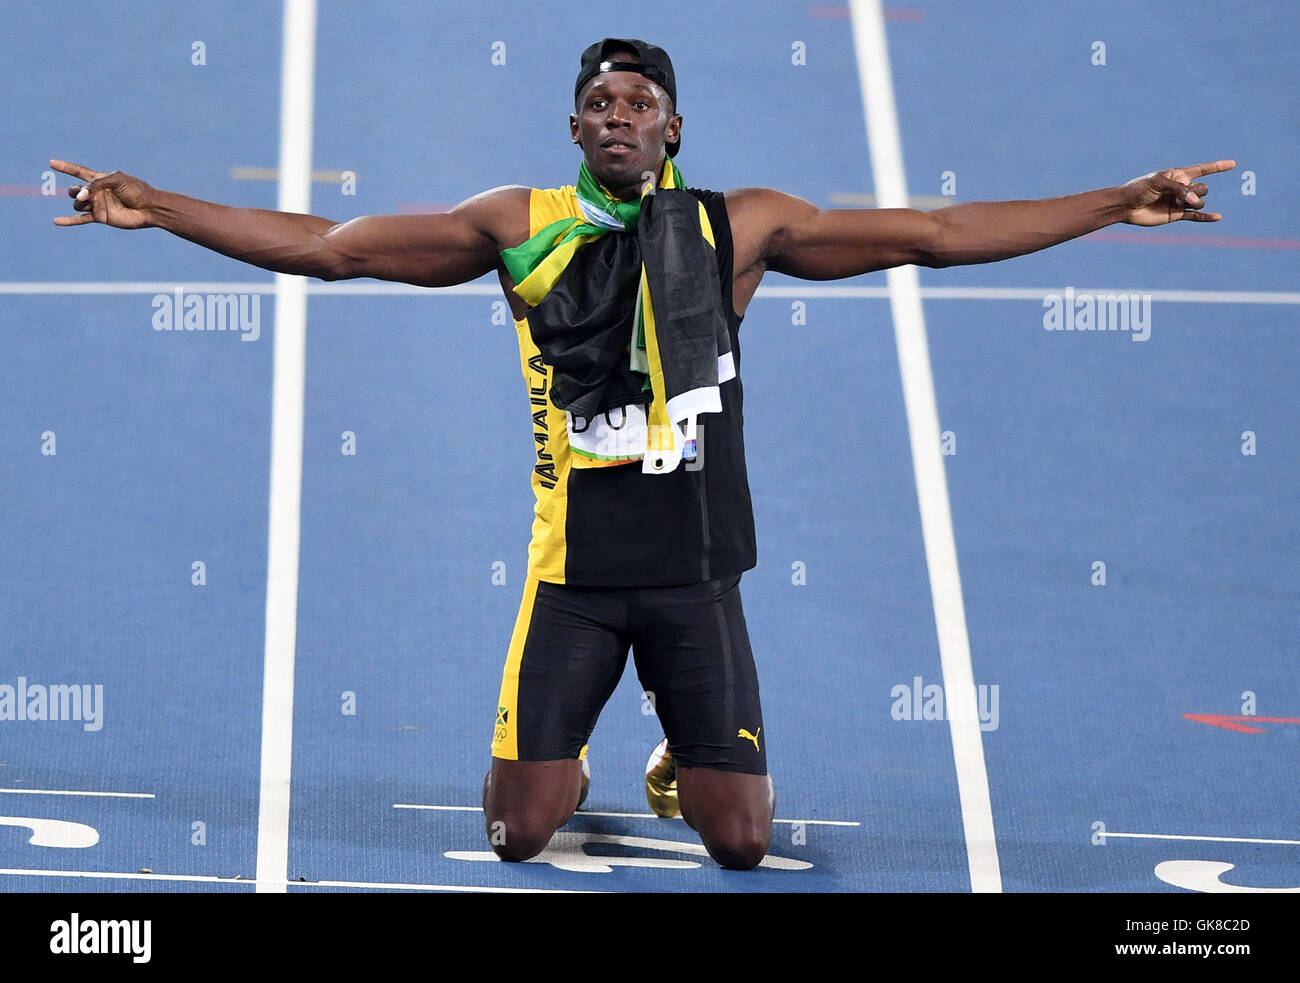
1170 196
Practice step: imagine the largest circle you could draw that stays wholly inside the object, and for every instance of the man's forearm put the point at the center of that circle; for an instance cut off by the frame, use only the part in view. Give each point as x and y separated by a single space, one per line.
283 242
987 231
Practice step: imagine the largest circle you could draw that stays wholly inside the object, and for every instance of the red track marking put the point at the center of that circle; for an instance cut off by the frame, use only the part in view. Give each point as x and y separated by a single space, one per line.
1229 722
1222 242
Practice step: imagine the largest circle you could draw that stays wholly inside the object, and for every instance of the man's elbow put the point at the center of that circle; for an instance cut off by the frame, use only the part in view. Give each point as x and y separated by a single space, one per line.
334 260
931 250
334 266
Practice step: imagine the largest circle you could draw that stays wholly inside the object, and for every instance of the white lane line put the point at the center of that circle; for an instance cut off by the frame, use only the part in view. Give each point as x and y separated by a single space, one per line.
651 815
404 289
273 174
1210 839
59 791
440 887
137 287
769 291
1038 293
278 886
297 72
865 199
890 180
626 815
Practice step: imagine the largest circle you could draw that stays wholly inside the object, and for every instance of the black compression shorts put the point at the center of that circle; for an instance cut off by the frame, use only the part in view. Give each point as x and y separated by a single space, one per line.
692 656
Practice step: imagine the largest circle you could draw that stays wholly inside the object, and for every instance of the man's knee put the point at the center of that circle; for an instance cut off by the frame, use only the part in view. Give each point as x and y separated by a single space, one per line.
737 844
731 812
525 802
518 838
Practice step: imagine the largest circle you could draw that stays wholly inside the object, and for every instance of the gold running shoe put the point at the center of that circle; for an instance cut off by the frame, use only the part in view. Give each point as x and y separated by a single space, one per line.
661 782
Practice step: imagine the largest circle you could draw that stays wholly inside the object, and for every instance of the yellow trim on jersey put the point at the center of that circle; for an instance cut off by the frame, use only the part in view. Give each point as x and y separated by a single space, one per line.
707 227
505 734
546 550
547 205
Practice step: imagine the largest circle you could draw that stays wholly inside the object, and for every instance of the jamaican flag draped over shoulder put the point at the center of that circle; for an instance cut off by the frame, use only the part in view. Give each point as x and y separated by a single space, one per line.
625 305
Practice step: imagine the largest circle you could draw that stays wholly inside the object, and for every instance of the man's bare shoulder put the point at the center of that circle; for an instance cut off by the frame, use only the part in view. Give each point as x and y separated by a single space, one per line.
752 202
501 213
506 196
757 215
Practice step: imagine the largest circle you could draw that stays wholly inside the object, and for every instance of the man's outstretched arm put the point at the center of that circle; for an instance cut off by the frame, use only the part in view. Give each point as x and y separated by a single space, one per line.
793 236
427 250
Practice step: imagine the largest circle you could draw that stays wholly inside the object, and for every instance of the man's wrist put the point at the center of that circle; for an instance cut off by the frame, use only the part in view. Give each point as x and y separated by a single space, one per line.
1114 205
161 211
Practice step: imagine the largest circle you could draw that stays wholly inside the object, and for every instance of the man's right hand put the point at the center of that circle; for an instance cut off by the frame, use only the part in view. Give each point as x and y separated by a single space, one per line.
114 199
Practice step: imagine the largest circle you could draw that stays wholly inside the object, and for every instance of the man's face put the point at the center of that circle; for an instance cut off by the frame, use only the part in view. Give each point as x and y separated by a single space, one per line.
623 121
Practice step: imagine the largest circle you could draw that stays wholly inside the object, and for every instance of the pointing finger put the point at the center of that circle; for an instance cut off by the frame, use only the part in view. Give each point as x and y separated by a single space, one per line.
1213 167
76 170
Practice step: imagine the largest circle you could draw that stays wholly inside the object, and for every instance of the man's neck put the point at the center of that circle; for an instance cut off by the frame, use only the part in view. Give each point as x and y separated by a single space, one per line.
631 192
626 194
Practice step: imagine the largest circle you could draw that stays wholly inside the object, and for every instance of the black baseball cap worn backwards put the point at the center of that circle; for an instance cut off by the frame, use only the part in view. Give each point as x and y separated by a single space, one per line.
655 65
